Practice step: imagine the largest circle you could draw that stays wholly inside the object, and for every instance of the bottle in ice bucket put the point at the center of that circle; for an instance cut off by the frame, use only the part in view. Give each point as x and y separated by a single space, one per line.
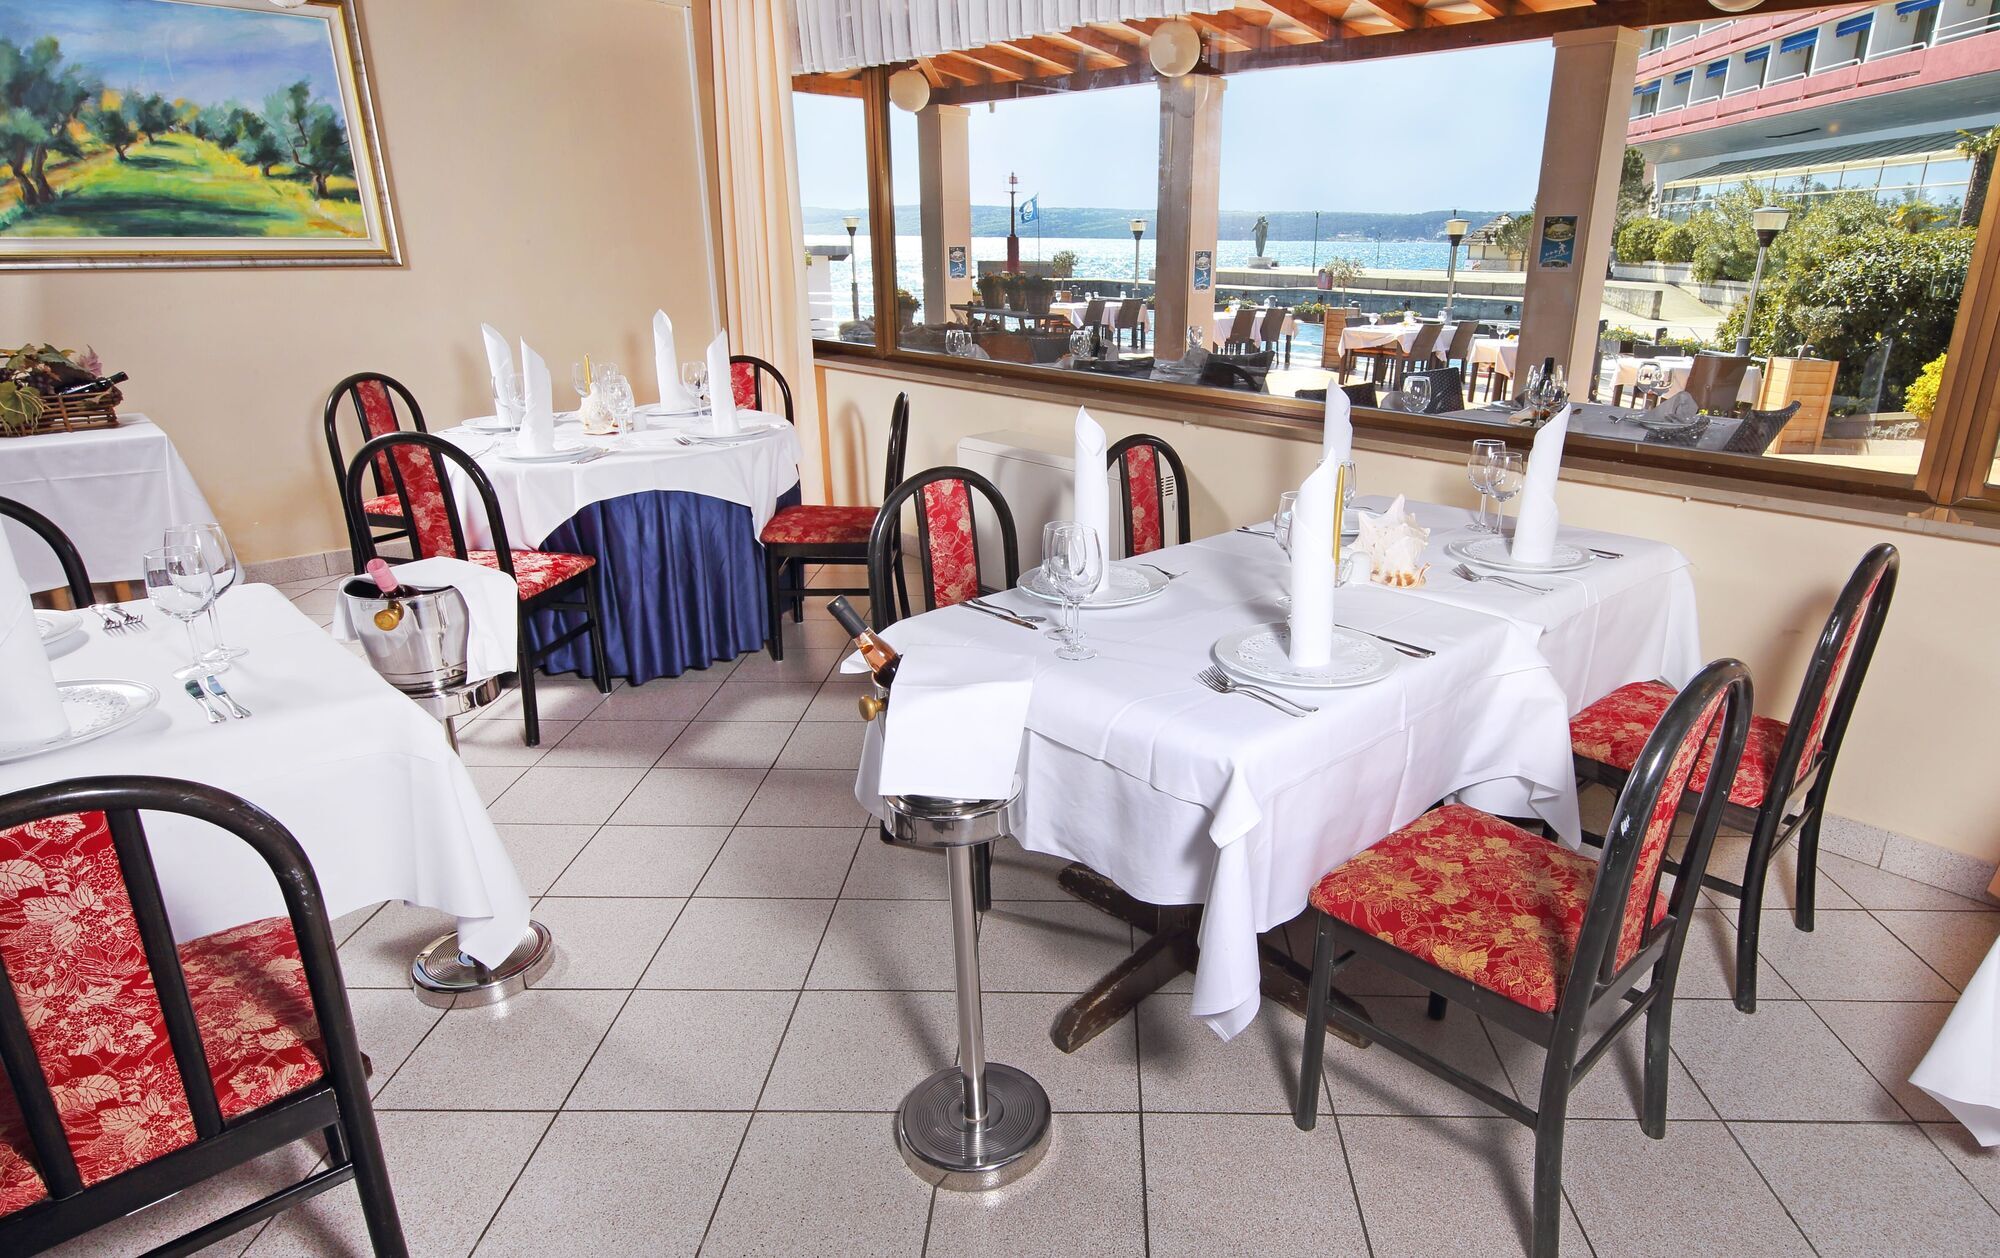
880 657
390 615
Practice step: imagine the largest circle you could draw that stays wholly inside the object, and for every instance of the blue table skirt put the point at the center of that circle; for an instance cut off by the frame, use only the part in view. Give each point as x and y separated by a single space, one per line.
682 584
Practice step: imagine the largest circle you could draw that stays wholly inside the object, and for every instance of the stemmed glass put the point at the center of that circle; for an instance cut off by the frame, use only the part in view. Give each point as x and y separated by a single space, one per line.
1419 389
211 545
615 391
1651 383
1510 468
580 380
958 342
181 585
510 399
1073 561
1479 470
695 376
1281 520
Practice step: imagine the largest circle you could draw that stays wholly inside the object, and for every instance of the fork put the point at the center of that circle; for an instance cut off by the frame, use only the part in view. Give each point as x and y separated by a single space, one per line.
1162 571
111 623
1030 617
1223 684
1468 574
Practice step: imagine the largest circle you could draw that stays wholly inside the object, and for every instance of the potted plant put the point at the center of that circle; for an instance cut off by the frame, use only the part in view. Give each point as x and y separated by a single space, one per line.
1036 293
1063 264
1013 283
993 290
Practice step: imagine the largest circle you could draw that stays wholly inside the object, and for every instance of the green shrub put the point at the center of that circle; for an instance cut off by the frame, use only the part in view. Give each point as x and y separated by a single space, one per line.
1638 240
1062 264
1675 244
1920 399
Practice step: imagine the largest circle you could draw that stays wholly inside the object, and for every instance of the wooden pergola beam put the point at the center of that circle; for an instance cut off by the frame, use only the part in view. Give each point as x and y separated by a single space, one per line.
959 67
1058 57
1101 45
1401 14
932 75
1316 21
1494 8
827 85
1002 66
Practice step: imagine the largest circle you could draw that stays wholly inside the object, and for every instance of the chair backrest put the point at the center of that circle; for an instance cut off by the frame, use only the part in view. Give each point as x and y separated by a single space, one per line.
746 384
1274 325
1833 679
1755 434
947 540
1462 333
74 575
374 399
110 1071
1622 919
899 442
1093 312
1127 315
417 474
1716 379
1426 341
1243 324
1144 488
1362 394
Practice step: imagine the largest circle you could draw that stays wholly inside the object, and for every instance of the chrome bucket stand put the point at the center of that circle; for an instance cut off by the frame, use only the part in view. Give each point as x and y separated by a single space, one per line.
979 1124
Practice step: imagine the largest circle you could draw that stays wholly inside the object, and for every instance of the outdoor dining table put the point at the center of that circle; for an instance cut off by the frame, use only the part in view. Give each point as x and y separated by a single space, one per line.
1613 423
1074 310
673 527
1625 376
114 491
359 774
1169 795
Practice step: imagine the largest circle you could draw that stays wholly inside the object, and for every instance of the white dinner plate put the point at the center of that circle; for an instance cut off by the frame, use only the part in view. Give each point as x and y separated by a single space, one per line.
749 430
1126 587
94 708
1493 552
657 411
1260 654
56 627
561 454
489 425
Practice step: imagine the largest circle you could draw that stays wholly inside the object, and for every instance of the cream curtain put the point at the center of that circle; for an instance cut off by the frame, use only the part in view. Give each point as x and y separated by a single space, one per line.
843 34
763 257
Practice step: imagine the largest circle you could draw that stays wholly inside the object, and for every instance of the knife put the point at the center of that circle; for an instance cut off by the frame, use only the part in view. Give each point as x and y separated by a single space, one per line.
236 709
997 614
193 687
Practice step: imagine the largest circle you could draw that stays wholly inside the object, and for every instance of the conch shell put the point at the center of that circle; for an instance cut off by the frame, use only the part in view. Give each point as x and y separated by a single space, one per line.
1394 544
596 417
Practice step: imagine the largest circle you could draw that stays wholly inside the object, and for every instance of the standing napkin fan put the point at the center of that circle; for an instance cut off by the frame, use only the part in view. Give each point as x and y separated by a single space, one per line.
506 380
1337 442
721 396
674 395
1536 523
1091 493
538 418
32 711
1312 568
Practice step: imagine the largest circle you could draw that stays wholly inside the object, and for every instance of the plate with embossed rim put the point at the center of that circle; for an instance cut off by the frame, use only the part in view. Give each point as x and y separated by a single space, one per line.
95 708
55 627
1261 654
1494 552
1125 587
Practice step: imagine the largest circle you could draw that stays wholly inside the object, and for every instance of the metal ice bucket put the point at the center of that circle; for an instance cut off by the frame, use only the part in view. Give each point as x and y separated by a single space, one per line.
424 654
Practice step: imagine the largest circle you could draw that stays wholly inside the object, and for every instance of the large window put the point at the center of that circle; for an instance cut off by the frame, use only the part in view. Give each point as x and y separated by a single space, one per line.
833 196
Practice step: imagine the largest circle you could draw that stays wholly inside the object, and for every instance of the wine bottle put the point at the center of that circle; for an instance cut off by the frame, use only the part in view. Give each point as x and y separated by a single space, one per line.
390 614
881 658
92 385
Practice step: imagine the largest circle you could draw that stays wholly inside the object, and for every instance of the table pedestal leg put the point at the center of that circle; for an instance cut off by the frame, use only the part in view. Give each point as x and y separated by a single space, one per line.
445 978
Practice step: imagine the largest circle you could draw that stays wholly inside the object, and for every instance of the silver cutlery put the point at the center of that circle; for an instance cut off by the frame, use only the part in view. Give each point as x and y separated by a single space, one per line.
1604 554
997 614
1468 574
1030 617
195 692
1257 532
111 623
1410 649
594 455
137 624
236 709
1162 571
1223 684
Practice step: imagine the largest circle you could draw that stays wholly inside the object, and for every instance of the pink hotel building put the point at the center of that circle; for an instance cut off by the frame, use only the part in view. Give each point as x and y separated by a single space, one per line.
1852 97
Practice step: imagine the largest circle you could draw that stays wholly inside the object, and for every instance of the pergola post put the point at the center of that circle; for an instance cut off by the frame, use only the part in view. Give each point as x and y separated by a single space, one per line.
944 179
1190 180
1583 147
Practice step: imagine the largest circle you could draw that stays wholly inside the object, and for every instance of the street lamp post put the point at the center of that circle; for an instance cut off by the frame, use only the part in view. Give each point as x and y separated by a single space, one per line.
853 265
1768 221
1138 230
1454 230
1013 241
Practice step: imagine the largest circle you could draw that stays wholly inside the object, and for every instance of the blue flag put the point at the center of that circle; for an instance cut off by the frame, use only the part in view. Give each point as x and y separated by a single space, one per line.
1028 210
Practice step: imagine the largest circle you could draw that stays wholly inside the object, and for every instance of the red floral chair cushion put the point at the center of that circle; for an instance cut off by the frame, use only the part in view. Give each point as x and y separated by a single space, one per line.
808 525
1142 479
743 385
537 571
383 505
954 552
1614 729
71 947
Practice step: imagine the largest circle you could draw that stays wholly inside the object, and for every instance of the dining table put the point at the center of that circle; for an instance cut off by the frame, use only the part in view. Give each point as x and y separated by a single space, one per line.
114 491
1500 353
1167 795
671 511
360 775
1074 310
1624 373
1622 423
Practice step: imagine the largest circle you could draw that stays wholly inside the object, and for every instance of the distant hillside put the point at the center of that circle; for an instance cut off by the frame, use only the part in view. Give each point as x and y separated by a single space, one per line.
1098 222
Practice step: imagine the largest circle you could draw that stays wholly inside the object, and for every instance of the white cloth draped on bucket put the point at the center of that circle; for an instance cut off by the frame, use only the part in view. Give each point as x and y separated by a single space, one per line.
1090 493
33 710
1536 522
955 727
492 609
844 34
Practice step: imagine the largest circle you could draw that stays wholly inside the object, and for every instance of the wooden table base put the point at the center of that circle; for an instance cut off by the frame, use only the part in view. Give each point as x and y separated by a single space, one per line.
1172 949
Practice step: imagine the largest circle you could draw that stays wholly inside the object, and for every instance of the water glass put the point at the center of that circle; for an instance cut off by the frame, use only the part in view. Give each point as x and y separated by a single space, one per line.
1479 470
1510 469
1073 561
1419 389
211 545
695 376
181 585
615 391
1281 521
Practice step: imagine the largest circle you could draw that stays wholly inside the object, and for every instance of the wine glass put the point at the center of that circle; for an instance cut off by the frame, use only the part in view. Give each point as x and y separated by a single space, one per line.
1479 470
695 376
1510 469
1281 521
1073 561
616 393
211 545
510 399
1651 383
181 585
1419 389
579 379
958 342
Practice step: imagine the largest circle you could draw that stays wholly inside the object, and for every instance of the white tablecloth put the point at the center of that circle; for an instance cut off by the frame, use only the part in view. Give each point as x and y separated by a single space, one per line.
359 774
1487 351
1073 311
1181 795
538 498
1962 1069
1625 375
115 491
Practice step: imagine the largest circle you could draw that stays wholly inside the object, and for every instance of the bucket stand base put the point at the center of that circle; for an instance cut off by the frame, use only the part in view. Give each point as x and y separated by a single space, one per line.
937 1143
445 978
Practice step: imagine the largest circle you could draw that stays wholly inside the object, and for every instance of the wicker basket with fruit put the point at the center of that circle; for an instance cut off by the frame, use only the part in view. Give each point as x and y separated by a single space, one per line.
45 389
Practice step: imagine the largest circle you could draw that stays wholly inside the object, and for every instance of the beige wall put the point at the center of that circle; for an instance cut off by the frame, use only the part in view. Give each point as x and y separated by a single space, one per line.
546 166
1917 759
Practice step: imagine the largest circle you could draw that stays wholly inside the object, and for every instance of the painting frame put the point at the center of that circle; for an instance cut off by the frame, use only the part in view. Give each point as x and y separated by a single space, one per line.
381 244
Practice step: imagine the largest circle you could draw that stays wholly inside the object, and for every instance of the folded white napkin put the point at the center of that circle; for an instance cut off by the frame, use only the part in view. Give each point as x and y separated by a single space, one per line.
1091 495
492 605
538 420
1536 522
500 369
674 395
721 396
32 711
1337 443
1312 568
954 723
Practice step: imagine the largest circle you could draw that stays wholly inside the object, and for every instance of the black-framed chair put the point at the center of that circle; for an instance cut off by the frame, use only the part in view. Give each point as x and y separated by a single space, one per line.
1143 488
1759 429
549 580
1532 936
1779 784
947 541
1423 349
747 374
801 535
1128 318
170 1064
373 397
75 577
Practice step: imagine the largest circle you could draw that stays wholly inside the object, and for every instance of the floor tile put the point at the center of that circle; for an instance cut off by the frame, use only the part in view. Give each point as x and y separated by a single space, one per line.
379 954
740 944
642 861
522 1054
688 797
686 1050
1874 888
497 744
817 631
1890 1038
1376 1081
819 1183
1049 945
492 783
1103 1075
614 744
344 926
1614 1088
1977 1163
1850 956
390 1024
892 945
1019 874
544 796
802 863
602 942
1184 1067
1952 944
806 797
758 701
1244 1184
1488 1164
617 1184
1781 878
1614 1174
664 700
728 745
1851 1186
861 1050
885 871
176 1216
1086 1197
824 745
556 699
836 700
802 667
1780 1063
1708 960
541 852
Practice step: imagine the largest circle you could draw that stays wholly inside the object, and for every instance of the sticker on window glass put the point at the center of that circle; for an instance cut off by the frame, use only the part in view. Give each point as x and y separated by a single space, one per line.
1204 269
1558 242
956 261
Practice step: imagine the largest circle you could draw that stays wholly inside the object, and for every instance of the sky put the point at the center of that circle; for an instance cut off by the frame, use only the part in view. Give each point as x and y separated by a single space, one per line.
1392 135
194 52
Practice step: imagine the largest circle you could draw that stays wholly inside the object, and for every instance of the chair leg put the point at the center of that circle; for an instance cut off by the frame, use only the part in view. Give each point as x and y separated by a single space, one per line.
798 571
774 613
1547 1225
378 1200
1749 918
1807 888
600 659
1305 1104
531 720
1434 1007
1659 1019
